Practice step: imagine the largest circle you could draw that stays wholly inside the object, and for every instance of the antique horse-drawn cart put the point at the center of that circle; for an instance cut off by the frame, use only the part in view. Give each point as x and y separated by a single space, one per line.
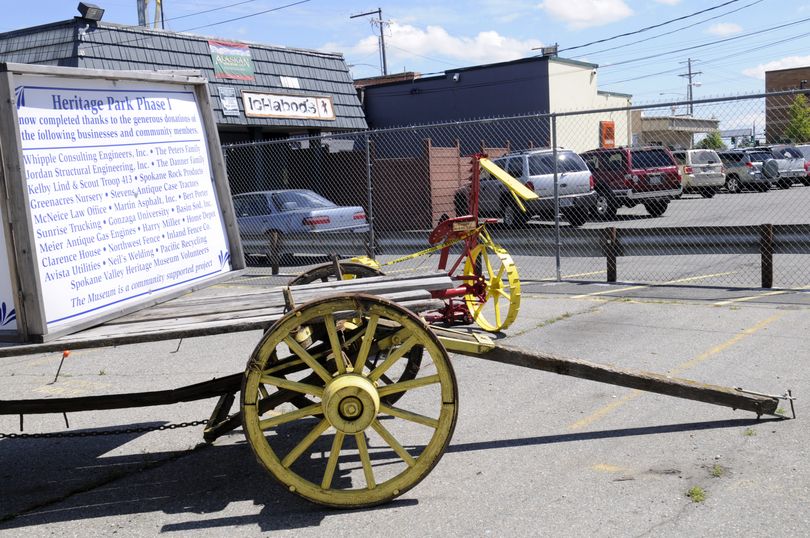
349 398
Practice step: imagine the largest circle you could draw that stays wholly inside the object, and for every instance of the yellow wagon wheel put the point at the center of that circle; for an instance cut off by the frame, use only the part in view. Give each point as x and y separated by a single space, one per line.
494 299
349 447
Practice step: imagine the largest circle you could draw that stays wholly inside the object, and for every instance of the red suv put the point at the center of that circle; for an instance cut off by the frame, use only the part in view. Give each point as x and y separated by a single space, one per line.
633 175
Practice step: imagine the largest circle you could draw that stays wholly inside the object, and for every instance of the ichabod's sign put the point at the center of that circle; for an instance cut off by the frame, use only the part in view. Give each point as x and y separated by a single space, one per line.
270 105
231 60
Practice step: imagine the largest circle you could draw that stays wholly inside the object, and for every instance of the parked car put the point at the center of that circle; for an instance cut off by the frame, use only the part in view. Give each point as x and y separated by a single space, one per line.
805 150
744 169
791 165
535 169
633 175
701 171
261 213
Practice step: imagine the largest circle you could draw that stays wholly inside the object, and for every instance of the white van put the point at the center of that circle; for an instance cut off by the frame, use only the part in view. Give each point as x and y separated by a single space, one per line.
701 171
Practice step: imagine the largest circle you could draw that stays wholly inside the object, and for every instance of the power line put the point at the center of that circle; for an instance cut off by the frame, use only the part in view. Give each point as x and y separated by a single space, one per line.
675 51
647 28
248 15
670 32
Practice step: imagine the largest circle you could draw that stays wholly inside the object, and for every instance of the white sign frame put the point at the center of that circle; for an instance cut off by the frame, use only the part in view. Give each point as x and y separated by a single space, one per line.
31 282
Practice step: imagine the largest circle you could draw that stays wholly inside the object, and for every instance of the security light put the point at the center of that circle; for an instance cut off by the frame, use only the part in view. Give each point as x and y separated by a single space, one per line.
90 12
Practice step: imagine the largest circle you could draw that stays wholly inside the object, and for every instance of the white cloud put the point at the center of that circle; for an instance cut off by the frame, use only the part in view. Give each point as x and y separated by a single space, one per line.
407 45
669 2
724 29
784 63
586 13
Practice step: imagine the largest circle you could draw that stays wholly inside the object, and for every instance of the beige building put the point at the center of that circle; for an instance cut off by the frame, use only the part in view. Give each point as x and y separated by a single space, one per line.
677 132
573 88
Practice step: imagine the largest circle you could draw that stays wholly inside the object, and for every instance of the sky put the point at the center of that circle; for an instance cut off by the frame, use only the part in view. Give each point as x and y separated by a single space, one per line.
731 43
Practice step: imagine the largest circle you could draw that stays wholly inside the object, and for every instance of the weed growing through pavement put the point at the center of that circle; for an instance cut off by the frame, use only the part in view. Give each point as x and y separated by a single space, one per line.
749 432
102 372
717 470
696 494
780 410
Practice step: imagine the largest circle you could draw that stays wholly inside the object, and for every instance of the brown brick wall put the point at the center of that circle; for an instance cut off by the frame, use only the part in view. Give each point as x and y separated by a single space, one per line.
777 107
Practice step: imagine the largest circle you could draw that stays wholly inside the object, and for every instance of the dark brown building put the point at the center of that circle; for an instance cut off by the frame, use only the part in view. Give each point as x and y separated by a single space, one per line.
777 107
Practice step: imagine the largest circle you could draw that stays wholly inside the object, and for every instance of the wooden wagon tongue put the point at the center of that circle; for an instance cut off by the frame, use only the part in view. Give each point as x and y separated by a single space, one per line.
480 346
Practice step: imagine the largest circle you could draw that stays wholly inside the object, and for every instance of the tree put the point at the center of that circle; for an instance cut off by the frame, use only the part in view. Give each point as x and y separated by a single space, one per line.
798 128
711 141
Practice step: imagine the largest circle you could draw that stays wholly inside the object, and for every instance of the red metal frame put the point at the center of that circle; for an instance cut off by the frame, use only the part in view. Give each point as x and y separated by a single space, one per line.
466 228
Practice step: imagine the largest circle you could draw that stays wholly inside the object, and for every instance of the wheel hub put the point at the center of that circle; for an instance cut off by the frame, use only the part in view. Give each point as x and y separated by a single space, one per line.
350 403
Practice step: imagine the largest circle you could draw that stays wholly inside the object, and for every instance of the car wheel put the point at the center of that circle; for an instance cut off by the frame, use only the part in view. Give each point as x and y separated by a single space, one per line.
707 193
656 209
605 206
512 214
576 217
732 184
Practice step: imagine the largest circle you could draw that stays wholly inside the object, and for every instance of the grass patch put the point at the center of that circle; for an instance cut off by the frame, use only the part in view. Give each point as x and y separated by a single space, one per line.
717 470
749 432
696 494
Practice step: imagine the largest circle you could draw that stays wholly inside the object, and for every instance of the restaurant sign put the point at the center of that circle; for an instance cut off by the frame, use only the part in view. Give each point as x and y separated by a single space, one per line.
269 105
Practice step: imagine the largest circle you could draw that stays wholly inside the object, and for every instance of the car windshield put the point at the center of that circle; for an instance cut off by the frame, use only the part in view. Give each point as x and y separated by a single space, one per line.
651 158
704 156
567 161
293 200
760 156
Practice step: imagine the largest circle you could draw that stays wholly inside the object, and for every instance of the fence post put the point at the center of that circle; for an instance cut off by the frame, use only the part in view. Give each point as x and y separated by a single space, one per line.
275 255
610 246
557 243
766 252
371 244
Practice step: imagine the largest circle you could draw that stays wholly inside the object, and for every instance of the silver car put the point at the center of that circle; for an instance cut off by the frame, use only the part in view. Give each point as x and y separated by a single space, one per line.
805 150
744 169
701 171
262 214
791 165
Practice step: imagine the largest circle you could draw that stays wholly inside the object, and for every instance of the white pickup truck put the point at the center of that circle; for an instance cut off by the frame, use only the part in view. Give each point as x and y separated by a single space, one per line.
791 166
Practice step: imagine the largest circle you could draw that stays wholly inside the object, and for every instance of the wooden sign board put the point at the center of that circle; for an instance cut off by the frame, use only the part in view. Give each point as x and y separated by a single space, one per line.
115 196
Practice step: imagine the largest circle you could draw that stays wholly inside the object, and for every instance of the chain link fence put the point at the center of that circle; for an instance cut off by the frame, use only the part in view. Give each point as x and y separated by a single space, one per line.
709 192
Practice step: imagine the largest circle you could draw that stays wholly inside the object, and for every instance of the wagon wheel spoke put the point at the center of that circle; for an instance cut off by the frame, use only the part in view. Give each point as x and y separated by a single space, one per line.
310 410
393 443
365 346
408 415
295 386
310 361
334 456
334 343
305 443
409 385
393 357
362 448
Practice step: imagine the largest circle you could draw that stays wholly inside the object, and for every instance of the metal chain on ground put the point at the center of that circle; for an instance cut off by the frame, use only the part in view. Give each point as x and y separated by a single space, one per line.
102 433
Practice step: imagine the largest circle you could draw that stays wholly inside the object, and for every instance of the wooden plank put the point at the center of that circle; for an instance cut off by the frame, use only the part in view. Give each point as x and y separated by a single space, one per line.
645 381
189 393
87 339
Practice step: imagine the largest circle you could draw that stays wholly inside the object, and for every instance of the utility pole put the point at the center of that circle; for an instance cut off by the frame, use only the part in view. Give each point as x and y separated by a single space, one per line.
689 75
379 21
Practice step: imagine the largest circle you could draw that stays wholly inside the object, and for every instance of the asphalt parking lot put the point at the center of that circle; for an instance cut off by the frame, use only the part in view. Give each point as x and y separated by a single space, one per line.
533 453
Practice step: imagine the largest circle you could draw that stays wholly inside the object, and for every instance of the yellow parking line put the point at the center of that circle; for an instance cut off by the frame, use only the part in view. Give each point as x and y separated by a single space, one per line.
691 363
754 297
677 281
